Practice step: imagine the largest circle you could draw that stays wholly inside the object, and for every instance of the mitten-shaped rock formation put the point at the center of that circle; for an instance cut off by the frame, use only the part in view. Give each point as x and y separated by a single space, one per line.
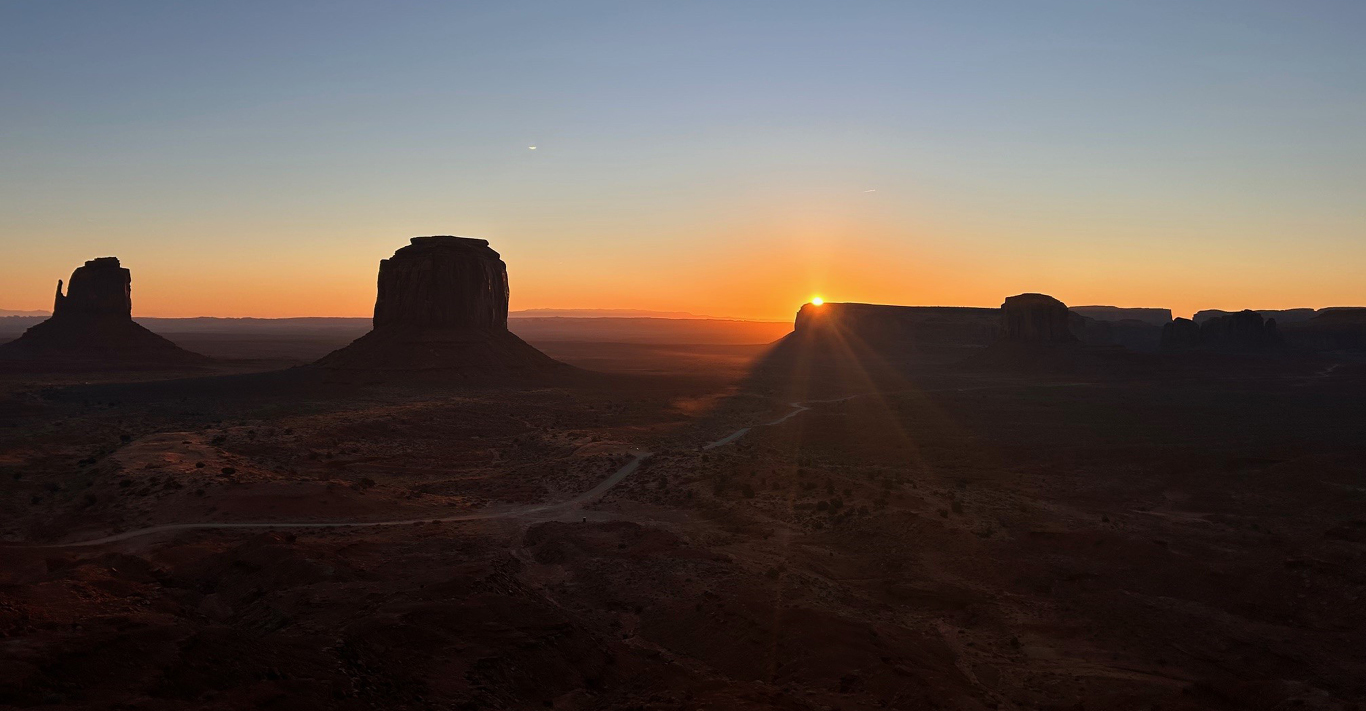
102 289
441 309
92 326
1035 318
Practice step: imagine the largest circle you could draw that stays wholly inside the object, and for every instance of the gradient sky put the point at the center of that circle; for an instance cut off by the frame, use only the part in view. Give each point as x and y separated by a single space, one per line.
260 158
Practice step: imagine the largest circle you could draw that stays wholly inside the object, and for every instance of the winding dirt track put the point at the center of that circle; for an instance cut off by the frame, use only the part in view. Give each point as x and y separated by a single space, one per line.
616 478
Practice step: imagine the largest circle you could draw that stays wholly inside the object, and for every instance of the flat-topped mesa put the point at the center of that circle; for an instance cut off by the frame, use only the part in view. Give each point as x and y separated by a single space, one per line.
441 311
898 325
92 327
443 282
1035 318
101 288
1156 316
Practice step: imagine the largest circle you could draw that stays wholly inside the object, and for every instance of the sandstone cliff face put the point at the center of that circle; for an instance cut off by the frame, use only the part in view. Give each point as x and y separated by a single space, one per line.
441 311
92 326
443 282
1035 318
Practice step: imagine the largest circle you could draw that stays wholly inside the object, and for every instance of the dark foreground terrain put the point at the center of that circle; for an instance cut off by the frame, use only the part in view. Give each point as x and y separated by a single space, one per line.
950 538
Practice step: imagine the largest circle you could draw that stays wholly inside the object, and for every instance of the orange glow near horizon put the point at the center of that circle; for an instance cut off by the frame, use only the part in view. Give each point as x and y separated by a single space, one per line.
765 275
779 252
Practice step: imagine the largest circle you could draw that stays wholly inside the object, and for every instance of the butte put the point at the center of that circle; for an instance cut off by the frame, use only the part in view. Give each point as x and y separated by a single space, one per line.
92 327
441 313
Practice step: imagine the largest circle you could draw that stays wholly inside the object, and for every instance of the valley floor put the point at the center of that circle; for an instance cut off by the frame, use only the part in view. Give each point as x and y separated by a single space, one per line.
949 539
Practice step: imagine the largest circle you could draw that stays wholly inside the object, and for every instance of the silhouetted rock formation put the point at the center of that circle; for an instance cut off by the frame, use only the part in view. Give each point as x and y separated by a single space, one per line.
1243 331
1181 333
1282 316
443 282
100 289
1035 318
836 347
905 327
1331 329
92 326
1113 314
441 309
1133 334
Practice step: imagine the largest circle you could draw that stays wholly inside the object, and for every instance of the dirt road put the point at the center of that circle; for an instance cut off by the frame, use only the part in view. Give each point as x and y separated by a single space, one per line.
606 484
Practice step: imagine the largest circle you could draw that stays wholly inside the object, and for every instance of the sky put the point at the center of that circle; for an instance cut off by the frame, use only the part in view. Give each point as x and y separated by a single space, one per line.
252 158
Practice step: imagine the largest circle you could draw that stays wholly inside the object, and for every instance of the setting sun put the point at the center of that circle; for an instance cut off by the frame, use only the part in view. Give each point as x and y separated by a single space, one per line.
817 301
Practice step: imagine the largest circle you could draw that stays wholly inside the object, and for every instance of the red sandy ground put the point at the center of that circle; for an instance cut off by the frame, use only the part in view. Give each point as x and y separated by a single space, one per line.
956 542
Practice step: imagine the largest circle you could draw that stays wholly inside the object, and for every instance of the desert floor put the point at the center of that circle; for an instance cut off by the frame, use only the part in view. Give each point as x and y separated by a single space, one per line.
947 537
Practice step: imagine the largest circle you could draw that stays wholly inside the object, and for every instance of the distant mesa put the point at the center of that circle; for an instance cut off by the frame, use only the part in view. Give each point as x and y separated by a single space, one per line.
900 328
92 325
441 310
1035 318
1154 316
1134 329
1242 331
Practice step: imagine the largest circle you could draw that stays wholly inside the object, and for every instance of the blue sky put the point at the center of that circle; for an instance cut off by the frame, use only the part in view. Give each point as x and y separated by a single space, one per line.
259 158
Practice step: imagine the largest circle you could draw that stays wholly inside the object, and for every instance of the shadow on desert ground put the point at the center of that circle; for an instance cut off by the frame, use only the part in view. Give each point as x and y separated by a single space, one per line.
958 535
